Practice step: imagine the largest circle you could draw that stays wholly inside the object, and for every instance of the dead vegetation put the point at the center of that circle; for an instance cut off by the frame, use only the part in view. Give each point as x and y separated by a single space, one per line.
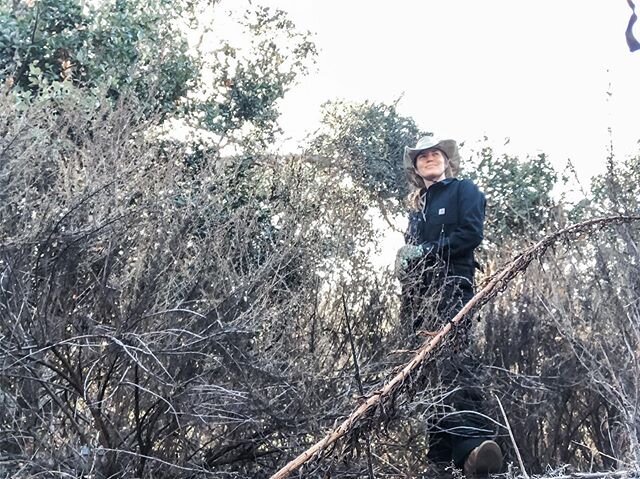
165 313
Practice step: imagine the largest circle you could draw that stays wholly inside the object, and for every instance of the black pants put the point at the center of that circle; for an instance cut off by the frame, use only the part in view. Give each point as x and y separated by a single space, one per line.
458 423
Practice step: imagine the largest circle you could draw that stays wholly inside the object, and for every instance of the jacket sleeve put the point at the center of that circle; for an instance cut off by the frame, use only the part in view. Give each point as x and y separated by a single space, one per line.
468 233
412 234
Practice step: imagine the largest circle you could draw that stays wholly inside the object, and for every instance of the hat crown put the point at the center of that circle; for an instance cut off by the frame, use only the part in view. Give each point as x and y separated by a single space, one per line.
425 143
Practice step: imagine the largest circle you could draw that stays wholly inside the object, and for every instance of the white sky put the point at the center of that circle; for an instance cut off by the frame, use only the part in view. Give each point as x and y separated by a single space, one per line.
536 72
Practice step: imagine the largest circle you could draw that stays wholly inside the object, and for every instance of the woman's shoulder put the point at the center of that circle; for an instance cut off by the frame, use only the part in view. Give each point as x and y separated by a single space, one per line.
466 183
469 189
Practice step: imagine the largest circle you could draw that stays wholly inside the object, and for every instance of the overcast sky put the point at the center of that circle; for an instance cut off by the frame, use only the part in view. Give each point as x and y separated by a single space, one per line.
537 72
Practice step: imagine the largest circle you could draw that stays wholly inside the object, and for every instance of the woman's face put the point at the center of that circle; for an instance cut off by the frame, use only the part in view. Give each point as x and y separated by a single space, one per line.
431 165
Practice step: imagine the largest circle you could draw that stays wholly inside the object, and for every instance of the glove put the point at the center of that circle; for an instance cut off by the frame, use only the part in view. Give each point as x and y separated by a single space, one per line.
407 254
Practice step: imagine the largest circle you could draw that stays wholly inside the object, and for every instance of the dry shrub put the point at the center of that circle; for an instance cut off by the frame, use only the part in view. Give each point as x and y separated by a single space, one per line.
166 317
562 343
160 317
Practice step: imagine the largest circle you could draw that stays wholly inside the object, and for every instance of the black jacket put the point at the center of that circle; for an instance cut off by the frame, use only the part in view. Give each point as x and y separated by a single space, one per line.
450 225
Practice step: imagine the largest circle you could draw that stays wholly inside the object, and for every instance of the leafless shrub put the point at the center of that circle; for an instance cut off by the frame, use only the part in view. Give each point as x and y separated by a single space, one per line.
563 345
160 317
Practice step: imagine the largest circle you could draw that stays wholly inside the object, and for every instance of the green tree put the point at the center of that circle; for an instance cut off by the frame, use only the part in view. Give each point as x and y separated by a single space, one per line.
246 82
367 140
140 49
618 191
120 45
519 201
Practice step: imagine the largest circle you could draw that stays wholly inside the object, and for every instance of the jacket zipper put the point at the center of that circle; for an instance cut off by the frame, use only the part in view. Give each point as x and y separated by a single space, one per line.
424 217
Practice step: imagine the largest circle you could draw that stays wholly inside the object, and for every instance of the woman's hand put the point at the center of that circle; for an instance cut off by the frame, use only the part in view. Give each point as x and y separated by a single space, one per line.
407 255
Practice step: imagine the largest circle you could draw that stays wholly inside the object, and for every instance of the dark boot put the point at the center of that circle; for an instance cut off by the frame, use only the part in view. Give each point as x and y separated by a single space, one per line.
483 460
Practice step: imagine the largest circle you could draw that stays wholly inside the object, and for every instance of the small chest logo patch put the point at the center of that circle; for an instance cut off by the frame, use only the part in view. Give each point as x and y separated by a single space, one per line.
441 211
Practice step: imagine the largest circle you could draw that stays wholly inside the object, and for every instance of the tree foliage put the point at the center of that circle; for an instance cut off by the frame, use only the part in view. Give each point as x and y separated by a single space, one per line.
368 141
248 81
519 194
123 45
140 50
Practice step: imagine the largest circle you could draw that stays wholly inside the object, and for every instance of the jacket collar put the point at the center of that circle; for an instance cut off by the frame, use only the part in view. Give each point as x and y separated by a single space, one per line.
444 182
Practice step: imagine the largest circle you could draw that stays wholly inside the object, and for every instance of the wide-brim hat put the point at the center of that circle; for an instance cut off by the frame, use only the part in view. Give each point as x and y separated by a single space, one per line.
449 147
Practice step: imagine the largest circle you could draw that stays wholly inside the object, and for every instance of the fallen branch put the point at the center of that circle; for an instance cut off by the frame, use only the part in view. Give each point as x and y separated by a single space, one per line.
497 283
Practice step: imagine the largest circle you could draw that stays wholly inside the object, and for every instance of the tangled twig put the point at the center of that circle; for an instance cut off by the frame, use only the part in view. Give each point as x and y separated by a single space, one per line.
497 283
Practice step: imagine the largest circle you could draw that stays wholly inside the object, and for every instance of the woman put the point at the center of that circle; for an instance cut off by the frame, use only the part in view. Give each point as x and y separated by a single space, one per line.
437 267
